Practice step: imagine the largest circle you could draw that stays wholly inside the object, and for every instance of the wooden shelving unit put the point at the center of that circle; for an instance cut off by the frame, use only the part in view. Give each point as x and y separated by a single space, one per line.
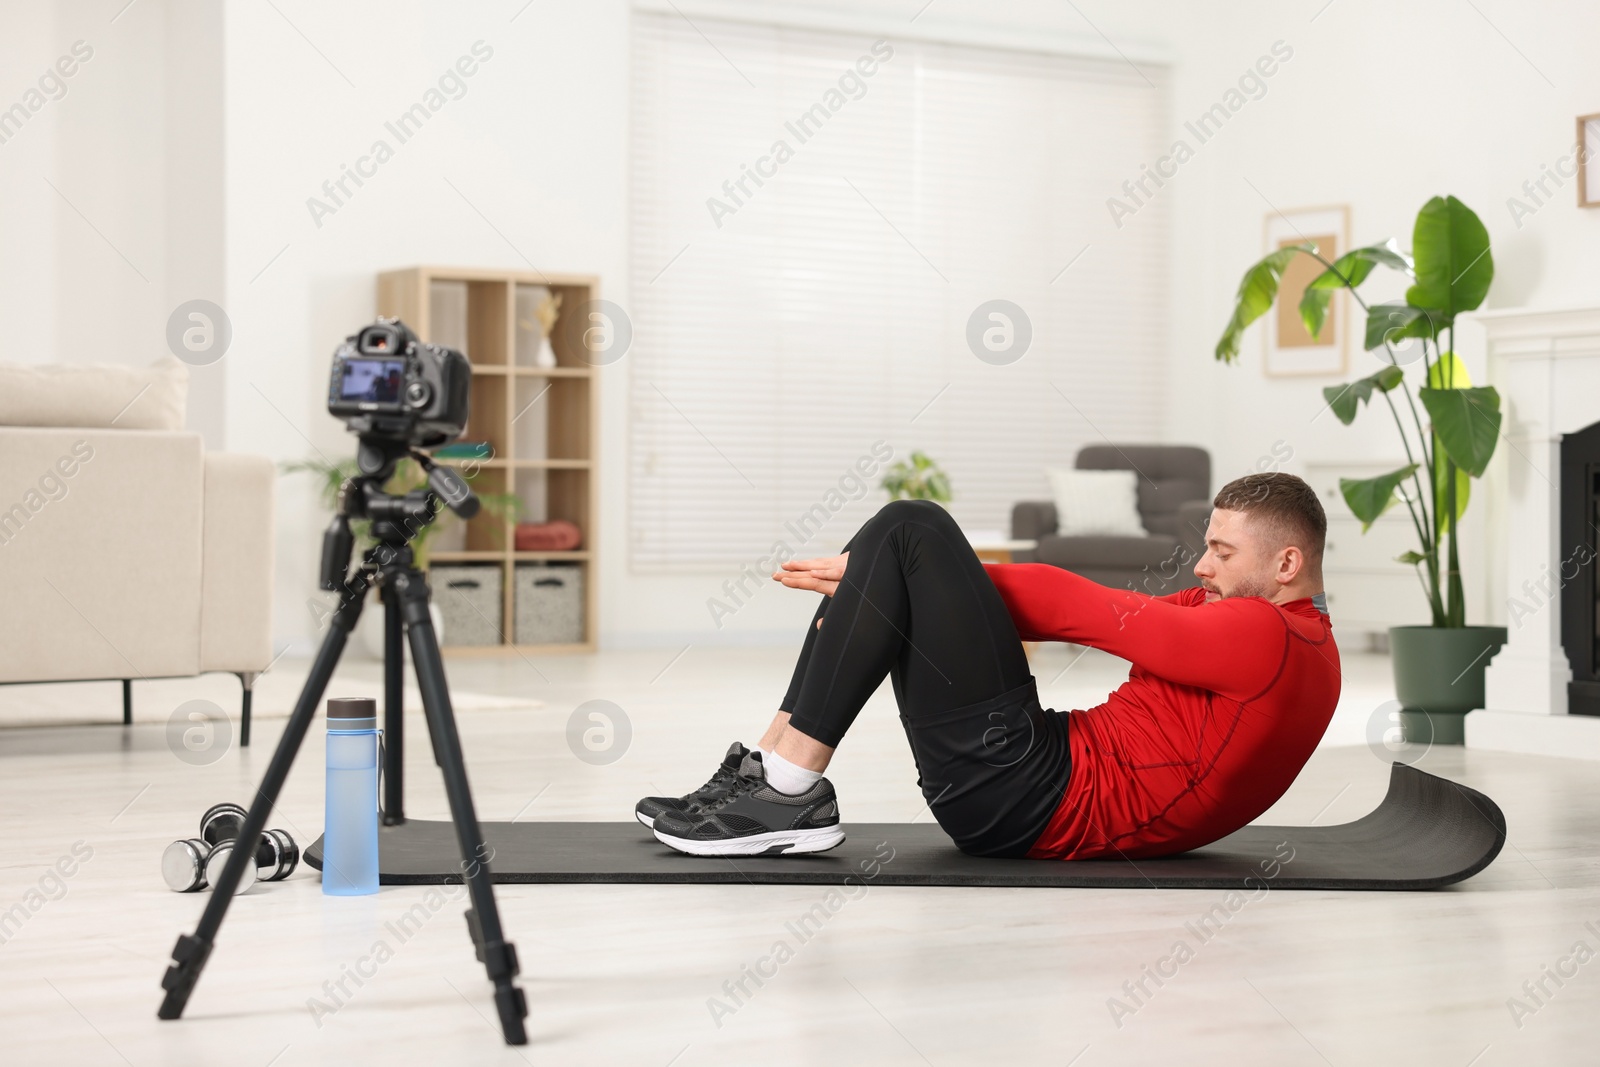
541 422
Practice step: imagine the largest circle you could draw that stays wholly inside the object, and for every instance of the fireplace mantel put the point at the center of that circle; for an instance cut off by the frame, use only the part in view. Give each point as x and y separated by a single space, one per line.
1546 364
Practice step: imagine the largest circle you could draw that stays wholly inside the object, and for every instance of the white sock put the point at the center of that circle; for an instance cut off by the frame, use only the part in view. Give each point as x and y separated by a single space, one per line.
788 778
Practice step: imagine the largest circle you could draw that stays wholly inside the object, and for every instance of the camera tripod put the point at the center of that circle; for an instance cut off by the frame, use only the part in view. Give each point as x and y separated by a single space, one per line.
390 566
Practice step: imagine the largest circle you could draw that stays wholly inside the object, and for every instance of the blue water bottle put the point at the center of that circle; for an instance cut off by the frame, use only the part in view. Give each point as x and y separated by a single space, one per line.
350 826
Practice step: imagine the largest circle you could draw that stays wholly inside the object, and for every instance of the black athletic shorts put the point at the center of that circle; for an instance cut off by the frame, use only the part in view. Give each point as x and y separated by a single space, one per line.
993 773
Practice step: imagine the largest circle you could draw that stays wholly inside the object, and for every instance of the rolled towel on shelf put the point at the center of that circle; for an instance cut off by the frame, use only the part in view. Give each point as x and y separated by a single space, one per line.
557 535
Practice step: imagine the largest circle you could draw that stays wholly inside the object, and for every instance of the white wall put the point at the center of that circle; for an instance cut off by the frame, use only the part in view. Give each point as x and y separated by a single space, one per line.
1381 107
536 145
110 194
539 146
29 44
195 226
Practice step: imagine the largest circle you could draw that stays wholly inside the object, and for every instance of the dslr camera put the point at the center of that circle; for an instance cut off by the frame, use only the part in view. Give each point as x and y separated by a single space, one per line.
398 394
392 388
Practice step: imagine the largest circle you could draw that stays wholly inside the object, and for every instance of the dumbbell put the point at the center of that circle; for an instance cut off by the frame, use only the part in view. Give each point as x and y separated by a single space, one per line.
195 863
277 855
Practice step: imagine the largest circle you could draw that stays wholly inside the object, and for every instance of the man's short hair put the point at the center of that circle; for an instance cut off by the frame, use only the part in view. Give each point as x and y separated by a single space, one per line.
1283 506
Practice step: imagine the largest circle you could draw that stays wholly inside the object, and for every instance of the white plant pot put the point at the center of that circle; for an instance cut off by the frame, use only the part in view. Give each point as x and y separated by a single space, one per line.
369 631
451 535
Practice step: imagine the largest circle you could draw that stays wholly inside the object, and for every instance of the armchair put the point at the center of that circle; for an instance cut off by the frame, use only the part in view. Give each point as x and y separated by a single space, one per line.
1174 506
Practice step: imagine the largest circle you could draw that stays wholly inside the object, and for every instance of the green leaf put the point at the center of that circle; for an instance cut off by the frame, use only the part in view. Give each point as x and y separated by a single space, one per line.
1448 372
1347 272
1393 321
1352 268
1466 423
1453 264
1257 290
1314 309
1411 557
330 476
921 479
1441 490
1370 497
1345 400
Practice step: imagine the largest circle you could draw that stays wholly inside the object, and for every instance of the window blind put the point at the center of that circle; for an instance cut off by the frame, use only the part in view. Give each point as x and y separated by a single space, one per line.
815 217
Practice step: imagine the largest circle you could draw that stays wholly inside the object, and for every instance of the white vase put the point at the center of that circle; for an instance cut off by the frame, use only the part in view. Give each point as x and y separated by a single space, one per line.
546 356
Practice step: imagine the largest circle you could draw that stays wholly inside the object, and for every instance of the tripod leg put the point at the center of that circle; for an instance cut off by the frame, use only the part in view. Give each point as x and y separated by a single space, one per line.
394 788
190 953
498 955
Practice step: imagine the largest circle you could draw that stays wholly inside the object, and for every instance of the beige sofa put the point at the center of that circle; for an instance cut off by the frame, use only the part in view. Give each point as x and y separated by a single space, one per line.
126 551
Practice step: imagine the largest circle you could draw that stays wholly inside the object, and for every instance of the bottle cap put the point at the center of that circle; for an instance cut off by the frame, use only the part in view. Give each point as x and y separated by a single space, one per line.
352 713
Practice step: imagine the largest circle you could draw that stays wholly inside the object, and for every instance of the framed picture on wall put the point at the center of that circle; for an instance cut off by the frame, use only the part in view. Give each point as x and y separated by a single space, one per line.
1290 351
1588 149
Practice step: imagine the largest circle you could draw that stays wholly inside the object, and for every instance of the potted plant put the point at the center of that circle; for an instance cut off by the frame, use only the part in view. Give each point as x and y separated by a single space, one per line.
1438 668
408 475
921 479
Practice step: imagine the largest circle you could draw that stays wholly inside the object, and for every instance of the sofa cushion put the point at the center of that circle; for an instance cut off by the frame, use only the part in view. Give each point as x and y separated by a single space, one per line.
1096 502
1169 475
1131 553
95 395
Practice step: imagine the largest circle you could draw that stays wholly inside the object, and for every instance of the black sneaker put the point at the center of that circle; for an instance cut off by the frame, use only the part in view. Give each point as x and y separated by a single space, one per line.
648 808
754 819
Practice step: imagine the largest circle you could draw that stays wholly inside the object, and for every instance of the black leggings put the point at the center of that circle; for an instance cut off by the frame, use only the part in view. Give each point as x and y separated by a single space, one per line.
916 604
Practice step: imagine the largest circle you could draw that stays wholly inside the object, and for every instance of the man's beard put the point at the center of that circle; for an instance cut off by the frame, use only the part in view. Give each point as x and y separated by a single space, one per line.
1246 587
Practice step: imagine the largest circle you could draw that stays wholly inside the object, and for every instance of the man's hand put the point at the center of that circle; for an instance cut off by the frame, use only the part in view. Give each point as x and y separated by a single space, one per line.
822 575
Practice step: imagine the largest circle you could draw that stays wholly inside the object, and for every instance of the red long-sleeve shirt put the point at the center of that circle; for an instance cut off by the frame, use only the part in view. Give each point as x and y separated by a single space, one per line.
1224 704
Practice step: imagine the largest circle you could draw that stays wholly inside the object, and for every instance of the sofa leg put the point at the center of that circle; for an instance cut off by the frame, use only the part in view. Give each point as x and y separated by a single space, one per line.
127 702
248 680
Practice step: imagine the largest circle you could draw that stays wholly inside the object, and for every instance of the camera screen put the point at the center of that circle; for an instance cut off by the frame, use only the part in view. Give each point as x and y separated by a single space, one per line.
378 381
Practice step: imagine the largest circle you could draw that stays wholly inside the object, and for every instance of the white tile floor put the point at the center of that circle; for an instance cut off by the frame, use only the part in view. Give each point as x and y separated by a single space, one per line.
626 974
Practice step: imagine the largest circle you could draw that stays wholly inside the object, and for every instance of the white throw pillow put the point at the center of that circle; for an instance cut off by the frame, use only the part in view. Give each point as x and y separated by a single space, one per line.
1091 503
95 394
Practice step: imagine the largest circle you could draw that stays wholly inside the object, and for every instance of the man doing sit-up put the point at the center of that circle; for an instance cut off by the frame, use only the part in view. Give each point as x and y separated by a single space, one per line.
1232 685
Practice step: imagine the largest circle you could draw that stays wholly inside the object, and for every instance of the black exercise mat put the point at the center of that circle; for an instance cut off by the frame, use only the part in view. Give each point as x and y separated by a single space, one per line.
1428 832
